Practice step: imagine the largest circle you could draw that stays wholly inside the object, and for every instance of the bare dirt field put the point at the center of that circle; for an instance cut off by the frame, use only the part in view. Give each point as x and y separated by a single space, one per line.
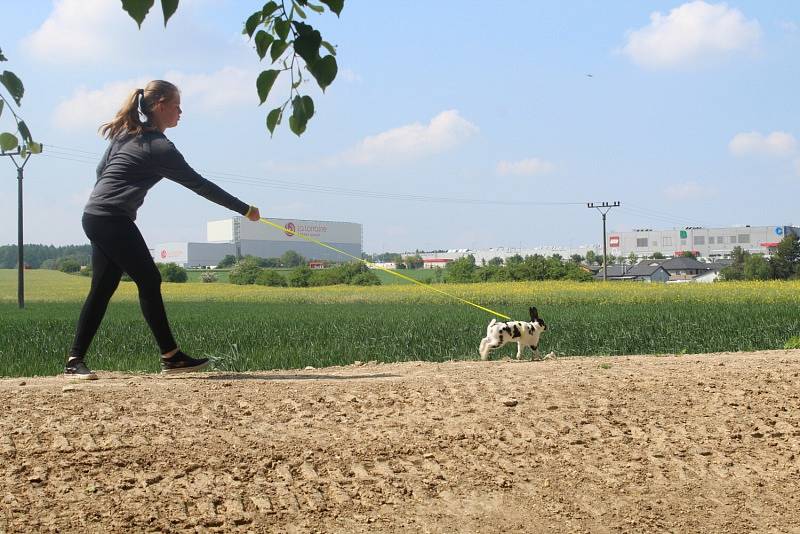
707 443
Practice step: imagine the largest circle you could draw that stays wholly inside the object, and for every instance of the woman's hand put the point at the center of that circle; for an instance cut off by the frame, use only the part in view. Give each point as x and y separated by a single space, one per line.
253 214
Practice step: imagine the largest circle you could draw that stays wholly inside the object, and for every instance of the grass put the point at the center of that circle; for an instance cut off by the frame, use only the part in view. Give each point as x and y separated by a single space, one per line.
254 327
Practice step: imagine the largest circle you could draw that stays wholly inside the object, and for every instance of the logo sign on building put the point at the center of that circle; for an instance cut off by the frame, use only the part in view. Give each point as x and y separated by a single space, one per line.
779 230
613 241
309 229
684 235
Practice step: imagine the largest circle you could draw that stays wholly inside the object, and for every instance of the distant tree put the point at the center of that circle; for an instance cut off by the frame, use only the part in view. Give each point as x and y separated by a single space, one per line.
632 258
300 276
516 258
172 272
69 265
756 267
785 262
208 278
576 258
460 270
228 261
735 271
497 261
738 254
290 258
591 257
244 272
658 256
270 277
413 262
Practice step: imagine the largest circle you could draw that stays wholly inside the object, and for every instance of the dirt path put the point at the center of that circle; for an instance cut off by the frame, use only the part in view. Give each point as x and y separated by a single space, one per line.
629 444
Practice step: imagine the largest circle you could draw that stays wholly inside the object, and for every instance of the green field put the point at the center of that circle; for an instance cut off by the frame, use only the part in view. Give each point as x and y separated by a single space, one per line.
254 327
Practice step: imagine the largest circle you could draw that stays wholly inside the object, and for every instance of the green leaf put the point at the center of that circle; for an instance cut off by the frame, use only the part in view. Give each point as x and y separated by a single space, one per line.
300 114
35 148
334 5
282 28
168 7
2 57
2 103
274 119
299 11
264 83
329 47
23 151
308 106
297 126
24 132
324 71
316 8
263 40
252 23
277 50
13 85
268 9
307 45
8 141
137 9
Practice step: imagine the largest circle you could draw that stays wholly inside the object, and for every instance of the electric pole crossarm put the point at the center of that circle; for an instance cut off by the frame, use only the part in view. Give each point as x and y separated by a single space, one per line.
604 208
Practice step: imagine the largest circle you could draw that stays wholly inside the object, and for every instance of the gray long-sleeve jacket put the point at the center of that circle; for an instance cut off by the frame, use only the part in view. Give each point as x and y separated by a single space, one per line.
135 163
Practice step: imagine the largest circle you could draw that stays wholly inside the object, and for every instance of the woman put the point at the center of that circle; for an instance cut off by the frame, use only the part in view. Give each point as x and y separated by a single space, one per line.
138 156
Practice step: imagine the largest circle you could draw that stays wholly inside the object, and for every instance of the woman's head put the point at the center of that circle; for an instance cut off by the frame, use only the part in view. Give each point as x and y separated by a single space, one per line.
159 103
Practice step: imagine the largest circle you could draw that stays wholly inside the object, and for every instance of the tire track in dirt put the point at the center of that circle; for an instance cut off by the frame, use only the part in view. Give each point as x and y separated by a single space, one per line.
637 444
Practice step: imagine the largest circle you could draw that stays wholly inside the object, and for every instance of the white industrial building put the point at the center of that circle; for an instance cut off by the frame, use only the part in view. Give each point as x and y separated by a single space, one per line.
239 236
709 243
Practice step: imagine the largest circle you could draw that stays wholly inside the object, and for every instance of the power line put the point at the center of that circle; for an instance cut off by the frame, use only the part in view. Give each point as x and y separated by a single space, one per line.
64 153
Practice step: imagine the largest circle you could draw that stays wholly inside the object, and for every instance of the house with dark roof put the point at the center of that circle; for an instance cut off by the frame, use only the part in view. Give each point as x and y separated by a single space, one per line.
641 272
685 266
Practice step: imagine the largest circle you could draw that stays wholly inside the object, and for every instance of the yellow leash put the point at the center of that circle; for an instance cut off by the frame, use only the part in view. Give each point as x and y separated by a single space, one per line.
395 273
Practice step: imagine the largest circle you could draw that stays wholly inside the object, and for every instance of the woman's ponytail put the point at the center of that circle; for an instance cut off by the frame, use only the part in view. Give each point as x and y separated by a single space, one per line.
139 103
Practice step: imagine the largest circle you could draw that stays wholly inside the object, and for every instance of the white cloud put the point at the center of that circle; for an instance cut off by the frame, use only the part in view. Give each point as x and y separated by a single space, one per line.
689 191
445 131
217 91
84 32
204 92
524 167
88 108
754 143
81 31
691 33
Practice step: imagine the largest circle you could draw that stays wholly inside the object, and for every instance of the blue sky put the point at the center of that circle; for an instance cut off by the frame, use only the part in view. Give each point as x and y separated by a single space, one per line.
690 117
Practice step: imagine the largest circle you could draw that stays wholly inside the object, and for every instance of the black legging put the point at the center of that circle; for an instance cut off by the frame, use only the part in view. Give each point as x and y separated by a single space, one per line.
117 247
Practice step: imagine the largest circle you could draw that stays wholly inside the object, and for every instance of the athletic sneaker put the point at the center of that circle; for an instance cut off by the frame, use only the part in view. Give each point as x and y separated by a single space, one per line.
76 368
182 363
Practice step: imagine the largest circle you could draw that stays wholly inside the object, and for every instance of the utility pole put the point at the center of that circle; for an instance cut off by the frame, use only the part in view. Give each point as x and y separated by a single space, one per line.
607 207
25 155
